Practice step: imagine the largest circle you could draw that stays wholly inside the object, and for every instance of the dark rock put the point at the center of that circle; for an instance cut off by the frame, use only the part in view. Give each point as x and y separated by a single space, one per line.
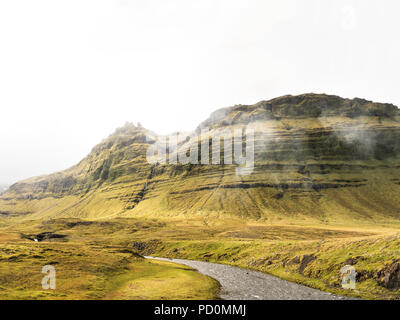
139 246
145 248
363 275
305 261
350 262
389 276
295 260
261 262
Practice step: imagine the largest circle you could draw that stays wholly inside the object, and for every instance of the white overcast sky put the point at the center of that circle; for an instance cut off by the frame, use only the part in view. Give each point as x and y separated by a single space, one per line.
72 71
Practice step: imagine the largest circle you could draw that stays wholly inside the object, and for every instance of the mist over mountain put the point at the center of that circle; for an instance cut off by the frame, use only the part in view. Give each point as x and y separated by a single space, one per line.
317 157
3 187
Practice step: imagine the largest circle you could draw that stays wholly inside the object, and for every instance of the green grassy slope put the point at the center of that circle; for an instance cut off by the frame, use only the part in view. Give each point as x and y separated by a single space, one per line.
318 158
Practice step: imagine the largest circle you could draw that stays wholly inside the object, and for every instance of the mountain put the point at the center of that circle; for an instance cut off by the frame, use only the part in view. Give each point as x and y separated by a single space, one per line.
317 158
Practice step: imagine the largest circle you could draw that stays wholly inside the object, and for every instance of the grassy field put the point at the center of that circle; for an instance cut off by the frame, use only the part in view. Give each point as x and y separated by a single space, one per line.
102 259
87 270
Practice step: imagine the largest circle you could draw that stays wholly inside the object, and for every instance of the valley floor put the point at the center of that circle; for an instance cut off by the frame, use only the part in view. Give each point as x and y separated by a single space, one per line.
103 259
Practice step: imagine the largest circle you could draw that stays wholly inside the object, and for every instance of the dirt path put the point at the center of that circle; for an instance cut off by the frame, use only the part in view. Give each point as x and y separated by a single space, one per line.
241 284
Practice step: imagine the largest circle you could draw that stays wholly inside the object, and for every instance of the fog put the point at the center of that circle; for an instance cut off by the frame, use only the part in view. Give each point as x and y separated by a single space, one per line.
73 71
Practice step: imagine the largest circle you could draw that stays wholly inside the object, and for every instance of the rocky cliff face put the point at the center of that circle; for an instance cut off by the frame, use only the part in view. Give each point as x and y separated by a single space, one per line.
300 107
317 157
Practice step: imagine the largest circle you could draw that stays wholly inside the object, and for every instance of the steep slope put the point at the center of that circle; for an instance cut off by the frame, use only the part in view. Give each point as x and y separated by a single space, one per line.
317 157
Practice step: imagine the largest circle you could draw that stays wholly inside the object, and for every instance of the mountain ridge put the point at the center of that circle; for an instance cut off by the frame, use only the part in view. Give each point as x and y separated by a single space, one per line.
317 157
306 105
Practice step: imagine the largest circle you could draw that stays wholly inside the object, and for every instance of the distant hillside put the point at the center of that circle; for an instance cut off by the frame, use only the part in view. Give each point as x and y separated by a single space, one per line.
317 157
